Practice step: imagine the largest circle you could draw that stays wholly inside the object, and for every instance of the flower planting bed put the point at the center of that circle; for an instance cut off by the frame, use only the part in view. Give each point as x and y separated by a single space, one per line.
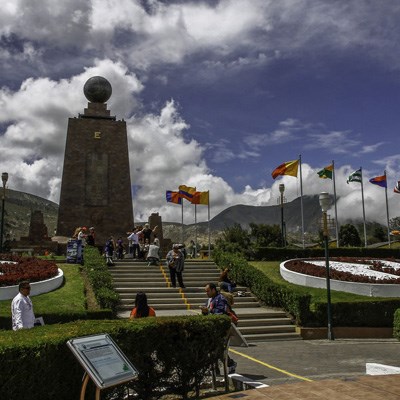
368 277
43 275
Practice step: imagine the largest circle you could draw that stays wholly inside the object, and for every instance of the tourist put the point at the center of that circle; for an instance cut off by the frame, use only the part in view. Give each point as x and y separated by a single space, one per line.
22 308
91 237
109 251
134 243
176 265
142 309
120 249
147 231
82 234
153 255
217 304
225 282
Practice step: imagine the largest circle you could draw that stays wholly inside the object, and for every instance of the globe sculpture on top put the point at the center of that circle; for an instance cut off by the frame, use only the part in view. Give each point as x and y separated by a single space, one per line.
97 89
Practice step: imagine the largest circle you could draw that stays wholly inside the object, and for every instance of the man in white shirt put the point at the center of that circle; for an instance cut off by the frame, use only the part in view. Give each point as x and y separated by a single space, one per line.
134 241
22 308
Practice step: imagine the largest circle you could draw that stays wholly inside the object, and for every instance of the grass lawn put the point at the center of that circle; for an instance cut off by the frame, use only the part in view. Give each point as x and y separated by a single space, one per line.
70 297
271 269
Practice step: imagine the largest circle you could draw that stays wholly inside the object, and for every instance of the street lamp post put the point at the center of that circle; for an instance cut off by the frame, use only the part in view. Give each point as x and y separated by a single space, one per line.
324 202
282 190
4 178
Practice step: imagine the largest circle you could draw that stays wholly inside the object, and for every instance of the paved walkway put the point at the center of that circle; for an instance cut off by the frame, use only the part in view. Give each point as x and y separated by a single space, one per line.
289 367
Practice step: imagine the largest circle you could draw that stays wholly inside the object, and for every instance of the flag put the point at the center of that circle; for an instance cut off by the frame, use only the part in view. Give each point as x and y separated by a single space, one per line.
287 168
397 187
355 176
187 192
326 173
173 197
201 198
379 180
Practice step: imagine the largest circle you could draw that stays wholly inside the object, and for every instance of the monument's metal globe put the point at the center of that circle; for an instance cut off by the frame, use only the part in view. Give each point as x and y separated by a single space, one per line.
97 89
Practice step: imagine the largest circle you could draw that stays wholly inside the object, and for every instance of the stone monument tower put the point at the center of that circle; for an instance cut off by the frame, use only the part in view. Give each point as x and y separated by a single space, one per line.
96 184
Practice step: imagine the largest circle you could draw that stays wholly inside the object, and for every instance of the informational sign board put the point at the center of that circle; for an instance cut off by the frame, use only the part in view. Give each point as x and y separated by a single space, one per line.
102 360
74 251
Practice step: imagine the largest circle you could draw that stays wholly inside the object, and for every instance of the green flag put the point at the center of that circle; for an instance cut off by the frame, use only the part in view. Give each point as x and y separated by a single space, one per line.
356 176
326 173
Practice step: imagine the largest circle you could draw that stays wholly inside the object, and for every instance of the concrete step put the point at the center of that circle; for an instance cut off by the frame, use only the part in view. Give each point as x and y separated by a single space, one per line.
149 290
251 330
163 306
156 300
272 336
264 321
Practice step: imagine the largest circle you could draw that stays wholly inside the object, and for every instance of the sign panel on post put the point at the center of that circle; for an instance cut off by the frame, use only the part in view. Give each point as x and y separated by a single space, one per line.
102 360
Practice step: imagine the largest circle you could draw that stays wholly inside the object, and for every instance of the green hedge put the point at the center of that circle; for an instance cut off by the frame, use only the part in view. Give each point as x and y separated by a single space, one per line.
396 324
279 253
373 313
100 278
172 356
269 292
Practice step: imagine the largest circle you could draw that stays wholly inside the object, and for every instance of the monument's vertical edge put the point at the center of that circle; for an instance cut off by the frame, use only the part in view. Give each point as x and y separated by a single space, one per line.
96 186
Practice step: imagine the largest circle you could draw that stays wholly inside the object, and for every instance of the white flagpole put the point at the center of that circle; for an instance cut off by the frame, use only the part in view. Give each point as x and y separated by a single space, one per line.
301 204
334 198
387 210
209 232
182 224
363 207
195 231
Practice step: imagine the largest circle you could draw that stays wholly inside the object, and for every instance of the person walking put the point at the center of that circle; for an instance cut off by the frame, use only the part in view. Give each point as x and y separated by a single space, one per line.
176 265
22 308
141 308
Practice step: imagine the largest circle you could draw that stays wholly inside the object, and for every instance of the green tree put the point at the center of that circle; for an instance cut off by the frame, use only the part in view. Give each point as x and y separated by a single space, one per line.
349 236
394 224
234 239
380 234
266 235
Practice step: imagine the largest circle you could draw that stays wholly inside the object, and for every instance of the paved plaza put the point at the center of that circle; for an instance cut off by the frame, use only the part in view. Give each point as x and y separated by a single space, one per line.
312 369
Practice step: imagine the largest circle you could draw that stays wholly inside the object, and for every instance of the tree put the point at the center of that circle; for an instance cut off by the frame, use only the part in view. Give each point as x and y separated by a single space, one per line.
266 235
380 234
394 224
234 240
348 236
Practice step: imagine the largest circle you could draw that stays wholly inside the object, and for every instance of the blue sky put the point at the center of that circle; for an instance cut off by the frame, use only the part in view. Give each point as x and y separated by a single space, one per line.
216 94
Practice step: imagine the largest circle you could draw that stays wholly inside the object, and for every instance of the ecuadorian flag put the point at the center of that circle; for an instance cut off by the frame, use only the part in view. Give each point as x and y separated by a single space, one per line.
187 192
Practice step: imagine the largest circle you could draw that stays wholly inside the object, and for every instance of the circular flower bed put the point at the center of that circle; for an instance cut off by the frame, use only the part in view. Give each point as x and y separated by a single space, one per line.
16 269
364 276
362 270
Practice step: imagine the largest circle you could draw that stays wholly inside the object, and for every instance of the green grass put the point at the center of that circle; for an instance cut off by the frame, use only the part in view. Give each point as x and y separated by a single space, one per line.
70 297
271 269
52 258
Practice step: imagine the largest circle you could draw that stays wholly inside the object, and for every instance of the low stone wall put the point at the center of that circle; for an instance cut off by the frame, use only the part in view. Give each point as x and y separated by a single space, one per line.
346 333
364 289
9 292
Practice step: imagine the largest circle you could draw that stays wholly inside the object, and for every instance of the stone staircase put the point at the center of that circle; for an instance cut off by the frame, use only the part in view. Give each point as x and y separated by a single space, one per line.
256 323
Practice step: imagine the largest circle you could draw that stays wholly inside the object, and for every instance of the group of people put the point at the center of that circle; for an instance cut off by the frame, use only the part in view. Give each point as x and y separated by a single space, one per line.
87 236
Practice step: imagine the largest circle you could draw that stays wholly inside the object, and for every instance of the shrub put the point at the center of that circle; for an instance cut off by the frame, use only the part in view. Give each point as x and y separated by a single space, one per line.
172 356
100 278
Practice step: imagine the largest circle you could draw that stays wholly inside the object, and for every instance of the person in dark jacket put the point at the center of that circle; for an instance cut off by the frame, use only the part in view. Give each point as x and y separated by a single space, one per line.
176 265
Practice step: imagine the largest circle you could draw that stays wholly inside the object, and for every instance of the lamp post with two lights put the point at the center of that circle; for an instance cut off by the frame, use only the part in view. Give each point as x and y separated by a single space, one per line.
4 178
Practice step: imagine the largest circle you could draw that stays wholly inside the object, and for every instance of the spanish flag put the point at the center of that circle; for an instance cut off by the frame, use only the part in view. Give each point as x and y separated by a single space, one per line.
201 198
173 197
187 192
287 168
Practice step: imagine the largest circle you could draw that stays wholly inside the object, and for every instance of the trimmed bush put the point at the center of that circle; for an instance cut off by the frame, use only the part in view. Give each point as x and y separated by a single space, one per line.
100 278
172 356
269 292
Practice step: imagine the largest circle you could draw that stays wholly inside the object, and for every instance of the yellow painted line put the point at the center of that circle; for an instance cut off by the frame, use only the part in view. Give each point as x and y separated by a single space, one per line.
270 366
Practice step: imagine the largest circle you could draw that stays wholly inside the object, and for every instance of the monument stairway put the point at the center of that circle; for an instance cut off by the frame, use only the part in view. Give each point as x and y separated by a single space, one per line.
256 323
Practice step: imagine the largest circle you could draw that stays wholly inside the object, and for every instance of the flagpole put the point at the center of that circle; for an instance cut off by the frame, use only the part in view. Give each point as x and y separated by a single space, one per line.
334 198
209 233
195 231
301 203
363 207
182 224
387 209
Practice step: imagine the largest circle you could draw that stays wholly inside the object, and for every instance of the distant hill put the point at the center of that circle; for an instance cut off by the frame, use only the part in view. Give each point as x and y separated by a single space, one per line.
17 214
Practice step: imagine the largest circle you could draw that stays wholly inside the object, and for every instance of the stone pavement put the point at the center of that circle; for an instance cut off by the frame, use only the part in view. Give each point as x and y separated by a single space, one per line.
318 369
